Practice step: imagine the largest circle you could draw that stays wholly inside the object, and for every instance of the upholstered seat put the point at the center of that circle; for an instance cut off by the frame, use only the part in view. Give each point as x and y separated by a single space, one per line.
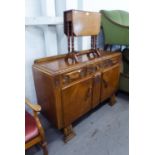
34 133
31 129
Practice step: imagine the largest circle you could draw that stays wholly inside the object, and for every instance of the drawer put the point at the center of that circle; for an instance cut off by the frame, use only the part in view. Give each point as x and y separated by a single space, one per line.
115 60
91 69
110 62
73 76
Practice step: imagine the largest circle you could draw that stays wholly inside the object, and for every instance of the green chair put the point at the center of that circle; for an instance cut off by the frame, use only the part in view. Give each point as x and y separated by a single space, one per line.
115 26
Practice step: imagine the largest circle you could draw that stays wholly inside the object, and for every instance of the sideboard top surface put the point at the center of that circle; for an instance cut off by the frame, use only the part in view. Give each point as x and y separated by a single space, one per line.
57 64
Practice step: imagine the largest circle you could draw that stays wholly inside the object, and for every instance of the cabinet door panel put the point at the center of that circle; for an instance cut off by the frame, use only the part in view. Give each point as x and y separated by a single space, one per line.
76 100
96 89
109 82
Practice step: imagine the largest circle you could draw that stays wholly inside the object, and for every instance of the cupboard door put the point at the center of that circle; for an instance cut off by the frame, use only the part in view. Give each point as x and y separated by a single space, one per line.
76 100
96 89
109 82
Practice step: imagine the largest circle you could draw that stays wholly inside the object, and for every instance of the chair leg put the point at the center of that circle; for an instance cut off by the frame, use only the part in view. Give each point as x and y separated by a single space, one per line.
44 147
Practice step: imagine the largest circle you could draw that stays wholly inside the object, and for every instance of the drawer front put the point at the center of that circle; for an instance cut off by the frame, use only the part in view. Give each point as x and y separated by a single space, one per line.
100 66
91 69
110 62
73 76
76 75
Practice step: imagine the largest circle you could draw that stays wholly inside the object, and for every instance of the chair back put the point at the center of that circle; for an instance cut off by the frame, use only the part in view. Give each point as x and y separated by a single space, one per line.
115 24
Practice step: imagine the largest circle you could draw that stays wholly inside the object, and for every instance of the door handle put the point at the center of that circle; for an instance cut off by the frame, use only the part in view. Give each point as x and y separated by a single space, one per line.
105 83
74 75
97 78
89 93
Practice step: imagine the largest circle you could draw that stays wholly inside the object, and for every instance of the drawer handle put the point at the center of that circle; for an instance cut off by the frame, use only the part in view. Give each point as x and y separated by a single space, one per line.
114 61
110 62
105 83
93 69
97 67
74 75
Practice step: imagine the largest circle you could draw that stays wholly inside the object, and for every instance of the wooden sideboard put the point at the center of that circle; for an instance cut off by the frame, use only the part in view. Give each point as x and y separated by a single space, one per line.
66 92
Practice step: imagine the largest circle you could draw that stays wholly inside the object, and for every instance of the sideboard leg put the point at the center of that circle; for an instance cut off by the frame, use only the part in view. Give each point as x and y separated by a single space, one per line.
112 100
68 133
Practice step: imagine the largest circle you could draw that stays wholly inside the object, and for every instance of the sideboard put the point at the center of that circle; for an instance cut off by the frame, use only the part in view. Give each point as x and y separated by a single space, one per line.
66 92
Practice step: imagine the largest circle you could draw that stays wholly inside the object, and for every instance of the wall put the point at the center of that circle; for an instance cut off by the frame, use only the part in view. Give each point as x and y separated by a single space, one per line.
42 41
106 4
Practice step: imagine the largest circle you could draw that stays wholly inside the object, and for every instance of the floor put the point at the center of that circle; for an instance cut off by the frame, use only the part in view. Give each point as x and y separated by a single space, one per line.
103 131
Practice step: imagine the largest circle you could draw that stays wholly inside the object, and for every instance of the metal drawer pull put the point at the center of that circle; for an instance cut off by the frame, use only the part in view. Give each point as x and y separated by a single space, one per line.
114 61
74 75
97 67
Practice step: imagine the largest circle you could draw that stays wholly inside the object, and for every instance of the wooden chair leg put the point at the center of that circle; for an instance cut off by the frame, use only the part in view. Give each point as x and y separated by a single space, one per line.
44 147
